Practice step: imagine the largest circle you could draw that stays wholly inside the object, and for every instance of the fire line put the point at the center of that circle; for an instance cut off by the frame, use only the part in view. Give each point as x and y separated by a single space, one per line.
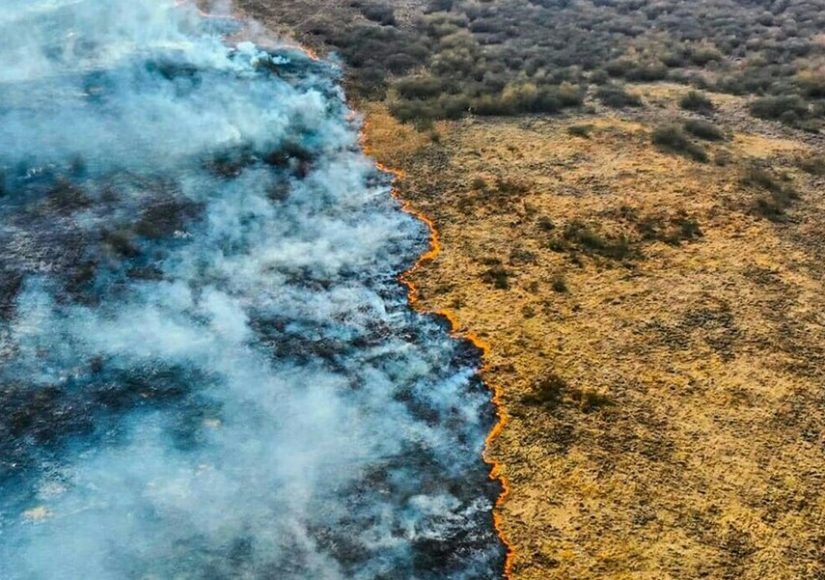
431 254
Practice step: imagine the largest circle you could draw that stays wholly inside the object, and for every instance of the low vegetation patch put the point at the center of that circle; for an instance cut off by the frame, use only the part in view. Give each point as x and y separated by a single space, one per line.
776 196
497 275
449 58
579 236
704 130
580 131
813 164
671 139
672 231
547 390
559 284
616 97
789 109
551 390
545 224
696 102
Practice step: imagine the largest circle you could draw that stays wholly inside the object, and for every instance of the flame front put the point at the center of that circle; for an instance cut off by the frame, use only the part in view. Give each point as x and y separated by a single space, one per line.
431 254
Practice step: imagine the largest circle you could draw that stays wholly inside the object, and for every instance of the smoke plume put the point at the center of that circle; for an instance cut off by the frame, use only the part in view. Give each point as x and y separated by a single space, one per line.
207 366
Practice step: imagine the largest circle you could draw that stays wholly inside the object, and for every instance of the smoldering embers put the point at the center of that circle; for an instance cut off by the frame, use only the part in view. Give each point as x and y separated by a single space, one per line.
208 368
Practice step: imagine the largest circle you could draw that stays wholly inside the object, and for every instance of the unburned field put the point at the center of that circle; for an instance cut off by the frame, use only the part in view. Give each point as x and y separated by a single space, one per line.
656 328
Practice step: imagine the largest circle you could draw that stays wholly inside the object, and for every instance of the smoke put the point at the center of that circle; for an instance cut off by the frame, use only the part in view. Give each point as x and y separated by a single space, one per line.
207 367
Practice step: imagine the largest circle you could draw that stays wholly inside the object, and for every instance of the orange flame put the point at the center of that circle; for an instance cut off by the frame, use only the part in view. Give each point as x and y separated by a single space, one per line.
413 296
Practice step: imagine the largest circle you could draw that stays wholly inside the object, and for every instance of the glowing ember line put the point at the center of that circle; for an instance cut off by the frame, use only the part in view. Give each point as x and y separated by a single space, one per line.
502 417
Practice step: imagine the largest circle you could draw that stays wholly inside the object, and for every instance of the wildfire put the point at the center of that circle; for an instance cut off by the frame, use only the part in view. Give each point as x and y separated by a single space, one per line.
413 295
431 254
247 34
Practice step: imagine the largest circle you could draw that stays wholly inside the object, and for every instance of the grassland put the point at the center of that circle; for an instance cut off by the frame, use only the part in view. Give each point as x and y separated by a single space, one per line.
657 338
648 266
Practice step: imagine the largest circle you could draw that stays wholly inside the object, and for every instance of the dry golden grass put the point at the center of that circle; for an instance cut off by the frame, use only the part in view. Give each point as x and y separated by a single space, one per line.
686 439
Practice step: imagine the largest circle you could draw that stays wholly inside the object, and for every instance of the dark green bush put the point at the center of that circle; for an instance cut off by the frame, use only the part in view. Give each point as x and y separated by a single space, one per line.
381 13
580 130
545 224
617 97
509 186
704 130
415 111
697 102
688 228
476 50
787 109
588 239
703 55
671 139
632 70
498 276
423 87
756 176
527 98
813 164
812 85
778 194
547 390
559 285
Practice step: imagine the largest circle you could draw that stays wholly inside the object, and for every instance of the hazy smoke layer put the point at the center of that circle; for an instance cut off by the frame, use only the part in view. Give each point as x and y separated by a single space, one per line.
207 368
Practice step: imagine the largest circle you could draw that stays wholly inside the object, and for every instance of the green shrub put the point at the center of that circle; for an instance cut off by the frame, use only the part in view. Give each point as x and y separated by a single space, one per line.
703 55
522 256
545 224
697 102
813 164
636 71
761 178
614 247
547 390
526 97
777 194
723 157
559 285
681 229
497 276
671 139
381 13
510 186
479 183
704 130
787 109
812 85
599 77
419 87
616 97
476 49
420 113
580 131
688 228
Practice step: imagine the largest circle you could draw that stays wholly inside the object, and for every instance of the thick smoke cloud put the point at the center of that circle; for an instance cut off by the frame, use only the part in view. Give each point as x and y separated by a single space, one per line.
207 367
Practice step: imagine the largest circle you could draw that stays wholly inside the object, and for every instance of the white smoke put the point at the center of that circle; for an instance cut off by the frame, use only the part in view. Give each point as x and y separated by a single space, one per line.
209 369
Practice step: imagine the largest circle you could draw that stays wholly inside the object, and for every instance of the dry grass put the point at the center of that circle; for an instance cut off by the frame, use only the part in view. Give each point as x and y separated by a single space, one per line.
686 436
